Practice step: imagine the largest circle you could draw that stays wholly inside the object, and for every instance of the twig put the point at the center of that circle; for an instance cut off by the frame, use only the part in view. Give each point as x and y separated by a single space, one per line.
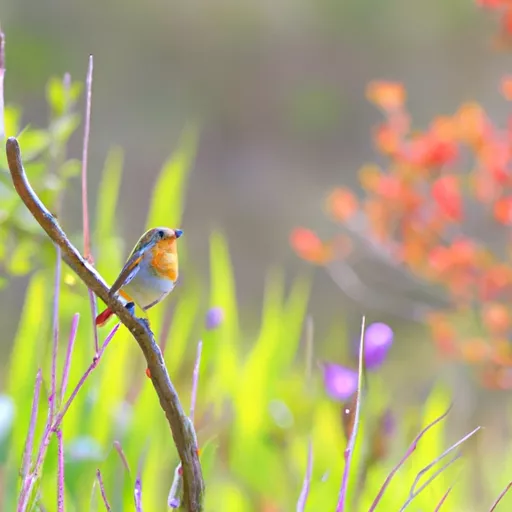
102 490
50 428
408 453
122 456
195 381
301 504
32 426
173 499
500 497
60 471
92 366
85 152
85 201
442 456
349 451
443 499
182 429
69 353
434 475
53 389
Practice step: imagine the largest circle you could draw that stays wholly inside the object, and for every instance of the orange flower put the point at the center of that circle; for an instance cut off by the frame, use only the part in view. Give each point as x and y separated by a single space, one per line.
440 260
413 253
496 318
446 193
475 350
463 252
506 87
495 281
471 123
369 177
387 95
387 140
341 204
503 210
309 247
506 21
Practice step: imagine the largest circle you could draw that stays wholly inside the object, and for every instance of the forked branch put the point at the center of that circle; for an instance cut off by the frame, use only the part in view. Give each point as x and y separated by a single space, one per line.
181 427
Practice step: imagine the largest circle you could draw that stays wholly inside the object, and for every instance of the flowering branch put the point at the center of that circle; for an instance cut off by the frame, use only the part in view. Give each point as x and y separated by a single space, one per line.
182 429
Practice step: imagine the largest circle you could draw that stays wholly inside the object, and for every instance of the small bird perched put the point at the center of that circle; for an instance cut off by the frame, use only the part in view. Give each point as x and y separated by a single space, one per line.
150 273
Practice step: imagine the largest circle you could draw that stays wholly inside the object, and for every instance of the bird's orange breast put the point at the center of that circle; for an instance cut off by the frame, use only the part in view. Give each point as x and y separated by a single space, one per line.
165 259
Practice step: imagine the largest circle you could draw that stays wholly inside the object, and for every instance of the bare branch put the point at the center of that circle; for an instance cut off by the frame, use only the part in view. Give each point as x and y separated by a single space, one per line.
182 429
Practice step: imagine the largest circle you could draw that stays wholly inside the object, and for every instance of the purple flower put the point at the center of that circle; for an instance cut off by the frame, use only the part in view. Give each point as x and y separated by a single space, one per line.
340 382
214 317
378 339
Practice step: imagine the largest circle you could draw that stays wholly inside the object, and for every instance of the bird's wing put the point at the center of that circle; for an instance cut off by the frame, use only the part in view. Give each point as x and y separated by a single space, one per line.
128 272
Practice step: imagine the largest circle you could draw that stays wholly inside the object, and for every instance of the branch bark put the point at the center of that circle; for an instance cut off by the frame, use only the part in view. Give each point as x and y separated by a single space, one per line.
181 427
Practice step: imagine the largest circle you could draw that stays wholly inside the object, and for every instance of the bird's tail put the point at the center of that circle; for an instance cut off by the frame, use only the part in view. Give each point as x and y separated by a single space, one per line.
104 317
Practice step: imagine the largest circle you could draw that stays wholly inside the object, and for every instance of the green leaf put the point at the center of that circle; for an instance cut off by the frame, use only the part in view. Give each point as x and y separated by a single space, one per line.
108 194
63 127
33 142
70 168
12 118
221 345
168 193
59 97
22 367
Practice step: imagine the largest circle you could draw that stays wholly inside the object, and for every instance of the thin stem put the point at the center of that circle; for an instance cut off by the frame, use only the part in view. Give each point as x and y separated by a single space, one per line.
301 504
92 366
69 353
85 201
349 451
85 152
442 456
443 499
500 497
122 456
55 348
195 381
102 490
182 429
415 493
27 455
52 428
408 453
60 471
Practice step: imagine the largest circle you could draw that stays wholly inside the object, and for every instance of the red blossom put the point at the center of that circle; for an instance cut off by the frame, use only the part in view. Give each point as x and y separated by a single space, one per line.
309 247
446 193
342 204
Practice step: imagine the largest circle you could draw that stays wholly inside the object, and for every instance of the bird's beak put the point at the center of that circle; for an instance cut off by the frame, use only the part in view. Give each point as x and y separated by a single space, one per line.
178 233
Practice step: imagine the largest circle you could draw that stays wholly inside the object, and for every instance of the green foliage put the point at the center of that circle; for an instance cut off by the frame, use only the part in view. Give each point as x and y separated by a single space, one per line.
23 246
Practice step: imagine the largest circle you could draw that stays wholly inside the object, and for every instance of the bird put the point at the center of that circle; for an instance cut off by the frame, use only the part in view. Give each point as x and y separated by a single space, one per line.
149 274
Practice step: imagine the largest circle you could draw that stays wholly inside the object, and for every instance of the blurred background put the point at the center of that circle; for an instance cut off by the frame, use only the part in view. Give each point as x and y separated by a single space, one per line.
278 91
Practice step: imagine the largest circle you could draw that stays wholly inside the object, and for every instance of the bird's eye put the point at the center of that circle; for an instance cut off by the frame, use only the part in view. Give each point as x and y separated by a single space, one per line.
161 233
